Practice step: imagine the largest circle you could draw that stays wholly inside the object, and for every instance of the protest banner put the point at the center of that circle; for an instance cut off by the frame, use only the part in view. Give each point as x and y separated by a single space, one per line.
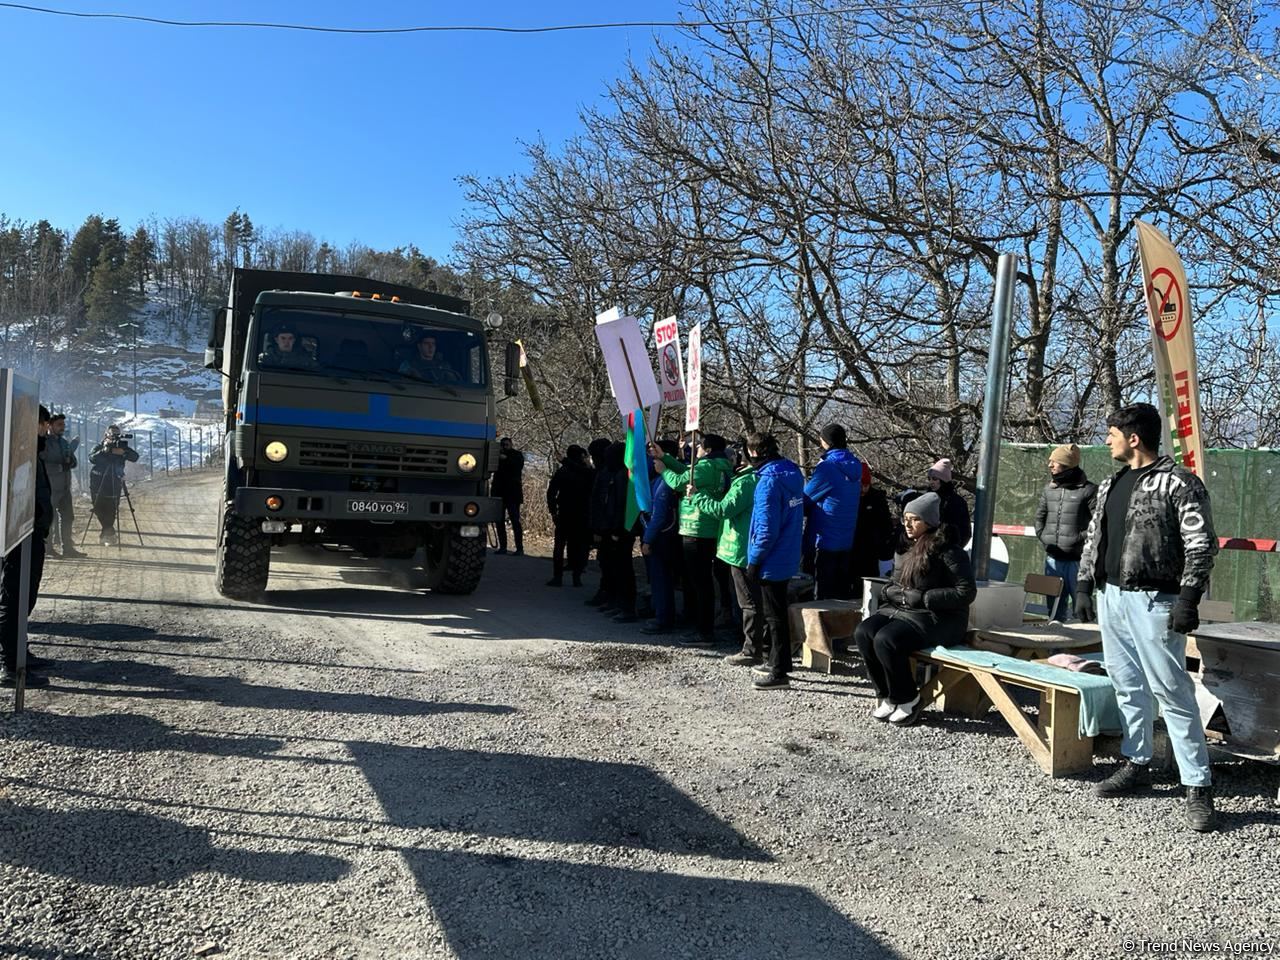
630 370
693 381
666 340
1173 343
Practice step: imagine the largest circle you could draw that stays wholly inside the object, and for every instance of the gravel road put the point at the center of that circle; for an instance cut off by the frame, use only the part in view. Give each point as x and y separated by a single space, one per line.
351 769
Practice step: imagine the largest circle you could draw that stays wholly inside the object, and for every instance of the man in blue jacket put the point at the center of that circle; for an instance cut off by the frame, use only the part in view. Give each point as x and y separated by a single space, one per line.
831 500
773 549
660 545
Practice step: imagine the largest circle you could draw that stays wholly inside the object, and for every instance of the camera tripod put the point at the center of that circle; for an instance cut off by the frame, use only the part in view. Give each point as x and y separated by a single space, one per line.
124 491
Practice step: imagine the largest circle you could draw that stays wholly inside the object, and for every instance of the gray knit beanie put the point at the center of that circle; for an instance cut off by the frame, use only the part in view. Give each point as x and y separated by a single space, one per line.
927 507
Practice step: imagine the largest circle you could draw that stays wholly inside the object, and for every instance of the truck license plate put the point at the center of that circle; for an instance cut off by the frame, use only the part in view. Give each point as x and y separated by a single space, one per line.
378 507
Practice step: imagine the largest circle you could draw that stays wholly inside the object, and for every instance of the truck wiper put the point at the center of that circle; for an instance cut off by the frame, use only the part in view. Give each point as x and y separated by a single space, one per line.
452 391
366 375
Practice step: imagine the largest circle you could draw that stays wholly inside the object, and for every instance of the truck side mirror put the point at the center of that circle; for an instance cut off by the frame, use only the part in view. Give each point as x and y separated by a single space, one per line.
213 358
512 373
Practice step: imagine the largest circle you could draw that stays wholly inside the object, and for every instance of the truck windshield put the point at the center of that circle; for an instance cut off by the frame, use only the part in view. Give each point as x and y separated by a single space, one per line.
332 343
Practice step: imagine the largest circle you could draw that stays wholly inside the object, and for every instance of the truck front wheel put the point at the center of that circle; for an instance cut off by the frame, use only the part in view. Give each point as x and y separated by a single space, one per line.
453 563
244 557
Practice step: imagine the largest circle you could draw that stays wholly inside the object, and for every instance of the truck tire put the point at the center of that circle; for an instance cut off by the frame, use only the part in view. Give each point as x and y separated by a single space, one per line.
244 557
453 563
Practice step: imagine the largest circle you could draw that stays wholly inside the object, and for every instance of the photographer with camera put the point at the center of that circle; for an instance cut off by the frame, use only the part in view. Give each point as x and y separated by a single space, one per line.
106 479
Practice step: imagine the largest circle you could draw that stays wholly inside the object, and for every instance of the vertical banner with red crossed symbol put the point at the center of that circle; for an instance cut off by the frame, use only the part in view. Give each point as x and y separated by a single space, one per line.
1169 312
693 381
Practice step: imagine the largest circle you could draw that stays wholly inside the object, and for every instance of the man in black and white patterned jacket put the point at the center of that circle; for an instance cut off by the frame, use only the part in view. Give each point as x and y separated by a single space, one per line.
1146 562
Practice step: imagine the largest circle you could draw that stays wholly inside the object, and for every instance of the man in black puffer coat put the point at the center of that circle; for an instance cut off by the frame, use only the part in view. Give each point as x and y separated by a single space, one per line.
1062 518
569 504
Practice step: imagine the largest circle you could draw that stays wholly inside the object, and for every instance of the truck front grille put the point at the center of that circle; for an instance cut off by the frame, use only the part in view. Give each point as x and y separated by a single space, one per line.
373 458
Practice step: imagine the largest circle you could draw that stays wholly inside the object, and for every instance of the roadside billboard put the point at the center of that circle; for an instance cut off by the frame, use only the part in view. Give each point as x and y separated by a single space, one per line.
20 415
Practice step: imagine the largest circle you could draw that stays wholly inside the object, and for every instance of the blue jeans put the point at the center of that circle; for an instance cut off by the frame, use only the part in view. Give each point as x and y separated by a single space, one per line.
660 565
1068 570
1147 663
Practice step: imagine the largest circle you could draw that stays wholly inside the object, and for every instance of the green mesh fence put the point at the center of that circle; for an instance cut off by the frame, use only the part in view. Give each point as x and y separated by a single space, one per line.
1244 489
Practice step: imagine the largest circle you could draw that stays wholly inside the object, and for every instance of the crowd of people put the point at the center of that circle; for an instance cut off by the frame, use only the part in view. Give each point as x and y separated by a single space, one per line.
728 529
730 526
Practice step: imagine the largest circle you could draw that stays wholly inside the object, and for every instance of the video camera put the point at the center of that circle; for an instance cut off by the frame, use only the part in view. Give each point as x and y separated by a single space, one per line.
120 440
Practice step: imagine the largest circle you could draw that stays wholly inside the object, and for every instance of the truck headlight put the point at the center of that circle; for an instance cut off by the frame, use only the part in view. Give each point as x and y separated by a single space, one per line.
466 462
276 451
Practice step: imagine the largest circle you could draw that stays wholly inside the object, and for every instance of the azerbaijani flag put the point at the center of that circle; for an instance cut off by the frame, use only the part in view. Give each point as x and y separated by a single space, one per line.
637 460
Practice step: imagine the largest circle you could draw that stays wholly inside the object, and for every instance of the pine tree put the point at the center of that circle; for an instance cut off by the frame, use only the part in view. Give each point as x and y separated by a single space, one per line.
230 242
110 300
247 240
140 257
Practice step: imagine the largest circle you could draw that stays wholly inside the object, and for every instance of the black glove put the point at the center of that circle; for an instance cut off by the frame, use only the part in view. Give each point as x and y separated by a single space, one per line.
913 598
1184 615
753 573
1084 602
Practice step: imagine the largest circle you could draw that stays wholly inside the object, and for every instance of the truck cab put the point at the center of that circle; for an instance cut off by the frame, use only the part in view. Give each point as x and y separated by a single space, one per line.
359 414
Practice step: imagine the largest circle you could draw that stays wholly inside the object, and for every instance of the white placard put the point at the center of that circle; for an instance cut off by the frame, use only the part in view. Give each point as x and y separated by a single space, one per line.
20 417
693 382
610 315
630 369
666 341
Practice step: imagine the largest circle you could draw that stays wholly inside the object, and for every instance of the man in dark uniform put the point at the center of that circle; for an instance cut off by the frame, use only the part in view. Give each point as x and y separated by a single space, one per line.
285 350
508 483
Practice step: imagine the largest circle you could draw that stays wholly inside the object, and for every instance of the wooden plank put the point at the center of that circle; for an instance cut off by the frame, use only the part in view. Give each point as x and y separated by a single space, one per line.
812 659
1014 716
1042 584
1068 751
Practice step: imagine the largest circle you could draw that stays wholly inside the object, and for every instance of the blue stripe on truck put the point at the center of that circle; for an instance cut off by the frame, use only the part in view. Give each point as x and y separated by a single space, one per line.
378 419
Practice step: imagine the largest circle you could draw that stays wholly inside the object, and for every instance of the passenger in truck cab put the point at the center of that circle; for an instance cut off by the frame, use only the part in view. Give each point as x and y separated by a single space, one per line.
284 349
426 364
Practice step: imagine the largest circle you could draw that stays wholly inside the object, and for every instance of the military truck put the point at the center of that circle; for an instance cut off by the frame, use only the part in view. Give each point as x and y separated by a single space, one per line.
358 414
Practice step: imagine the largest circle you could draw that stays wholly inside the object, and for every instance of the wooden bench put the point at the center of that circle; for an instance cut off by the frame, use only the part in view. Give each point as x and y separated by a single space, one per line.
818 626
1054 740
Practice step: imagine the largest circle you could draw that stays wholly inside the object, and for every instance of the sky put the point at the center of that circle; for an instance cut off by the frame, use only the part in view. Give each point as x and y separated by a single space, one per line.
350 138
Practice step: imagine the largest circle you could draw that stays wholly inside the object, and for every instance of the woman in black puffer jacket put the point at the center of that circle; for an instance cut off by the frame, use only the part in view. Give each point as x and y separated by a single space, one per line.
926 603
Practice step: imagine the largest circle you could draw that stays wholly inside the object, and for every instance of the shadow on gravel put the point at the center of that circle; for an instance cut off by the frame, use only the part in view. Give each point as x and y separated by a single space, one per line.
128 848
122 632
559 799
21 952
495 906
134 733
147 681
310 610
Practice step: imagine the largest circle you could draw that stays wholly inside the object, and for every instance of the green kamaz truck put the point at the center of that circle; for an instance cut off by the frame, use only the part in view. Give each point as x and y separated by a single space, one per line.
358 414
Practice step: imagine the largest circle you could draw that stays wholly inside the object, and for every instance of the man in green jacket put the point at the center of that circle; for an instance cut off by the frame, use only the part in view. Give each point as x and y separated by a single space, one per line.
698 531
734 513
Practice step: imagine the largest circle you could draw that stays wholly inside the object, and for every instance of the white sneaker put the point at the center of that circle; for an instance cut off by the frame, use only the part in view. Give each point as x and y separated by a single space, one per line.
884 709
904 714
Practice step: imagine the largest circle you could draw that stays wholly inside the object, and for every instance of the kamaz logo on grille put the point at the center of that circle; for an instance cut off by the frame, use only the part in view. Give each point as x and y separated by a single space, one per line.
388 449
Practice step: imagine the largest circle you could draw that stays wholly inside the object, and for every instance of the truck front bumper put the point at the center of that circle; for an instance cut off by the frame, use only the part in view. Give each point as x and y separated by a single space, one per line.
302 505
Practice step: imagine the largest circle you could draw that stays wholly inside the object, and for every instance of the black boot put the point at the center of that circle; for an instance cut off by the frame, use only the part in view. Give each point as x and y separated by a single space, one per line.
1129 777
1200 813
556 581
577 579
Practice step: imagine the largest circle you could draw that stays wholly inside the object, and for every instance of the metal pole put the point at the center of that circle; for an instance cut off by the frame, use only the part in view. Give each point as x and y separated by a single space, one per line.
24 588
993 412
165 432
151 455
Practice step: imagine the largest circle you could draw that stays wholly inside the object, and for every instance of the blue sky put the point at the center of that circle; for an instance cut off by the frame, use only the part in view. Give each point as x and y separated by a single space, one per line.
351 138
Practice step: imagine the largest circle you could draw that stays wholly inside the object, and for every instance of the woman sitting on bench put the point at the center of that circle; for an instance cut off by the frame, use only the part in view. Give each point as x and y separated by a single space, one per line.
925 604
